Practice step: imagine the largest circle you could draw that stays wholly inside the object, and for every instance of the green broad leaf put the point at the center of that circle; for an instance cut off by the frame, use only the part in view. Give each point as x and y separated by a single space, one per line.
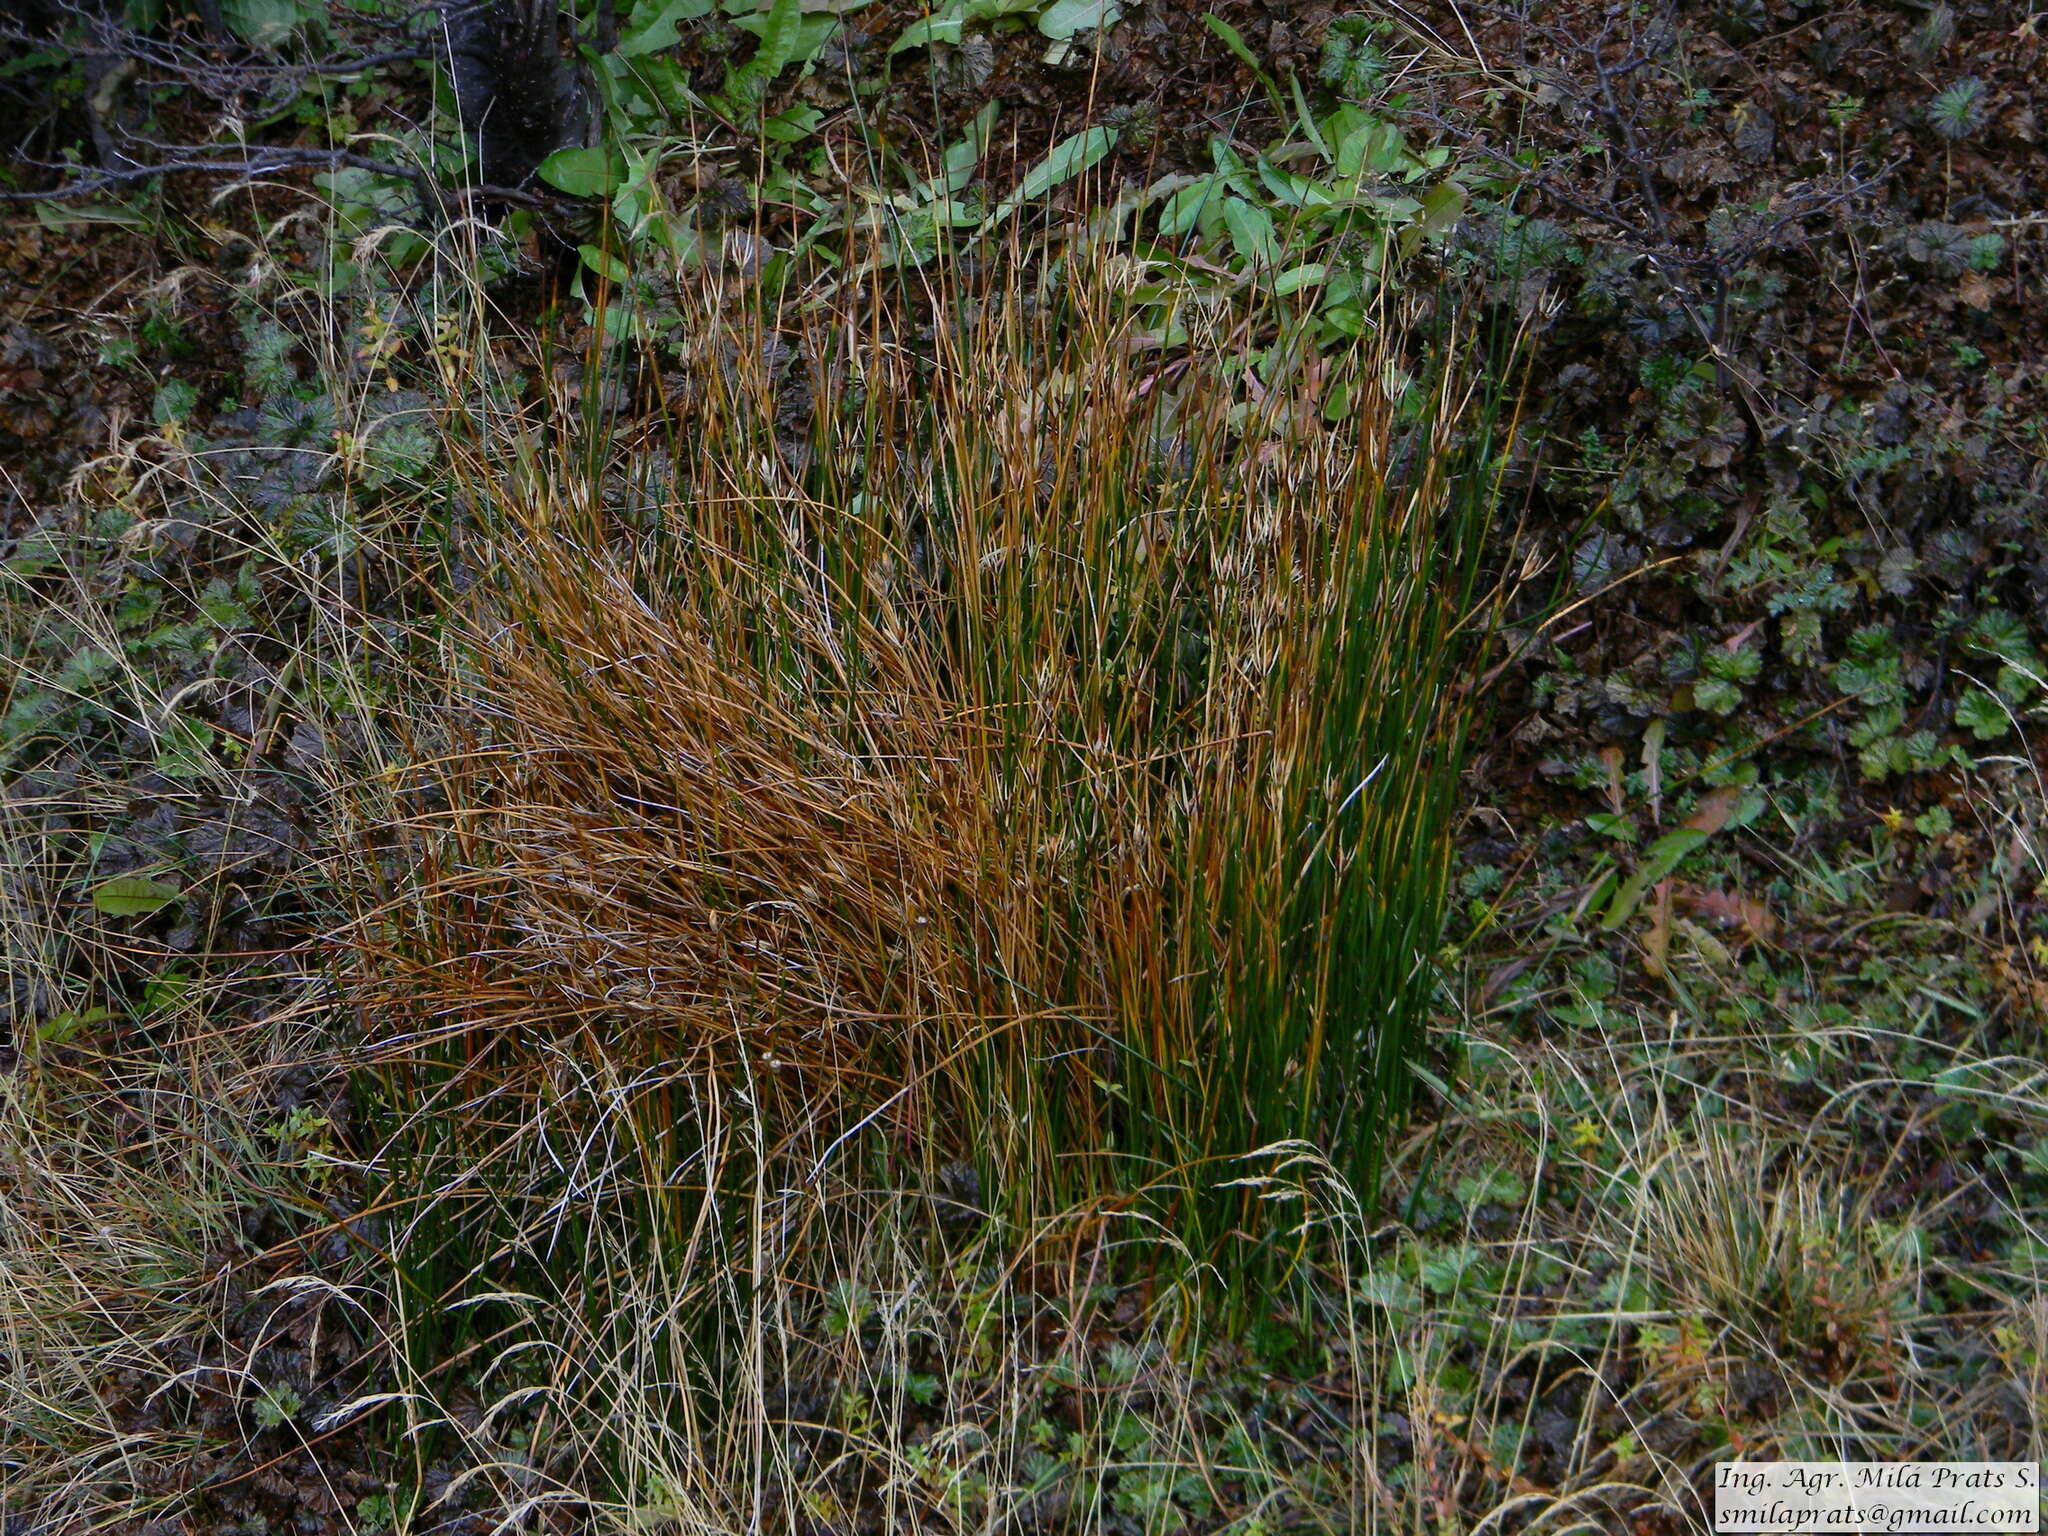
165 990
1342 320
1613 824
1307 275
922 34
1063 18
1182 211
661 78
1066 160
792 126
603 263
635 199
680 239
1372 146
653 26
1231 167
1442 206
1398 209
1290 191
1346 285
1752 805
780 30
63 1026
1252 232
814 30
961 158
1346 119
265 23
1659 860
591 172
942 26
1306 119
134 896
66 215
1233 40
953 212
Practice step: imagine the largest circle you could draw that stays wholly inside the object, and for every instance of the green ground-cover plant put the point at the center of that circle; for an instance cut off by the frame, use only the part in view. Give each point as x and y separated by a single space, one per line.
1827 512
1326 209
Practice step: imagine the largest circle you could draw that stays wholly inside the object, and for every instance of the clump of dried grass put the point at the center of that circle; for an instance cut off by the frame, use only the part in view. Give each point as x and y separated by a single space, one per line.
1044 751
984 769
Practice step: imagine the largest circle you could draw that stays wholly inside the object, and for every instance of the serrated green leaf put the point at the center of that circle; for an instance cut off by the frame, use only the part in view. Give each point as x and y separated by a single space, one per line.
1381 1289
1983 714
1499 1186
86 670
184 748
134 896
1444 1270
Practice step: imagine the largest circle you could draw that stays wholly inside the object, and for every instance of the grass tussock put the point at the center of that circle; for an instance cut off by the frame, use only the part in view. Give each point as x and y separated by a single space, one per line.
975 783
1039 749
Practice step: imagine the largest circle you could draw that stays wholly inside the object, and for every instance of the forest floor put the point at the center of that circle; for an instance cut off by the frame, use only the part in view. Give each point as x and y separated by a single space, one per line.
1732 1132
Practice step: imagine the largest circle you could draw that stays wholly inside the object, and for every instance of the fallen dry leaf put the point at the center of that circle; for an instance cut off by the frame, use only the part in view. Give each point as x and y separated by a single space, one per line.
1731 909
1657 942
1714 809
